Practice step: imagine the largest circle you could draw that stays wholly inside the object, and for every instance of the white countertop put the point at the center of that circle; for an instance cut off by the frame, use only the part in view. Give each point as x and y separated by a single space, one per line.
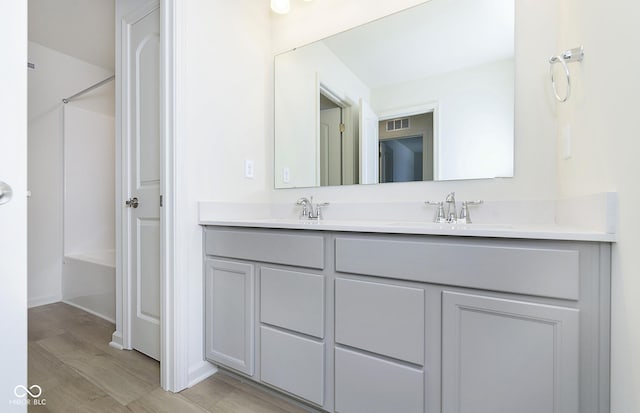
589 218
538 231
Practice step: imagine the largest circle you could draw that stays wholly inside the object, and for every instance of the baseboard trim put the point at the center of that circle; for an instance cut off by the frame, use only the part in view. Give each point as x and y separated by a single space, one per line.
40 301
200 372
116 340
111 320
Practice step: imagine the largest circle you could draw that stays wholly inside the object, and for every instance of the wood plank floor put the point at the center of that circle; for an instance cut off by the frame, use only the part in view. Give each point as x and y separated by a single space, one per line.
69 357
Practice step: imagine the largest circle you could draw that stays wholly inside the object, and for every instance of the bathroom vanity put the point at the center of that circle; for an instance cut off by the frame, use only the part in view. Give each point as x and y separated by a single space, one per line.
385 318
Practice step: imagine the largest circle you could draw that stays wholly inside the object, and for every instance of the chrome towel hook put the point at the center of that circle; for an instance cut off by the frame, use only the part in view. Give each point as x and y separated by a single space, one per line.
566 57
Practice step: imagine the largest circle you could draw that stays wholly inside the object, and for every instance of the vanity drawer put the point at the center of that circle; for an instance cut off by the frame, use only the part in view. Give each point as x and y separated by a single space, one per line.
381 318
542 270
367 384
278 247
292 300
292 363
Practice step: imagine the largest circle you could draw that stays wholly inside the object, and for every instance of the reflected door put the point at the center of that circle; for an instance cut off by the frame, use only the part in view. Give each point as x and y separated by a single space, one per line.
144 183
330 147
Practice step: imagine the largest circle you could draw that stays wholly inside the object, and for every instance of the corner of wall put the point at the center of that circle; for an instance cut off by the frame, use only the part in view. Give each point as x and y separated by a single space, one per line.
200 371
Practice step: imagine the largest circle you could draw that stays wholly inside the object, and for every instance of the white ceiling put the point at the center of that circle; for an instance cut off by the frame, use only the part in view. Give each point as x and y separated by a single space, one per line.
84 29
432 38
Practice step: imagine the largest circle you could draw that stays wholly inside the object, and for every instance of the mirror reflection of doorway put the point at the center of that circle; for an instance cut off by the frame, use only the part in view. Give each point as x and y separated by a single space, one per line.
331 129
406 148
401 159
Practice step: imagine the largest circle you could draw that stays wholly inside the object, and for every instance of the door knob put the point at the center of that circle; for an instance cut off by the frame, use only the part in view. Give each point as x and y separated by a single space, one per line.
132 202
6 193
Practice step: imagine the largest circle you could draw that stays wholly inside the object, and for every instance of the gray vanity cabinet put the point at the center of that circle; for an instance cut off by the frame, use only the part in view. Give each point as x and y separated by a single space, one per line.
392 323
265 308
229 304
504 356
509 325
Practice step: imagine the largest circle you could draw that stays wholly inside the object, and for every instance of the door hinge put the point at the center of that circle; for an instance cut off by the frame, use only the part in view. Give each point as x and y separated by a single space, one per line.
161 201
342 128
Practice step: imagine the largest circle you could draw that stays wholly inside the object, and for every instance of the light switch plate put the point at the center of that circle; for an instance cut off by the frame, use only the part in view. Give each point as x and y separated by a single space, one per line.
248 169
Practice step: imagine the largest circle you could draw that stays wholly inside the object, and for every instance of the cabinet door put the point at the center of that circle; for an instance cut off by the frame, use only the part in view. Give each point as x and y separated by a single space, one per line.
229 298
505 356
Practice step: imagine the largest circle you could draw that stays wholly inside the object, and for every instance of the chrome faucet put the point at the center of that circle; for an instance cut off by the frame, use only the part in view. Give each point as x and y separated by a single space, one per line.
451 207
309 210
304 203
451 216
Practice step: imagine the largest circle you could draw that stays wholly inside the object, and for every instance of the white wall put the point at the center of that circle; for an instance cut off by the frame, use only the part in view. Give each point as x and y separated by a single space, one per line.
602 115
89 178
224 85
535 121
475 121
56 76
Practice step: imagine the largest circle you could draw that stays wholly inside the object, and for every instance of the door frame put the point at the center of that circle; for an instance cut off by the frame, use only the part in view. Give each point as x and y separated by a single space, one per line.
173 355
347 105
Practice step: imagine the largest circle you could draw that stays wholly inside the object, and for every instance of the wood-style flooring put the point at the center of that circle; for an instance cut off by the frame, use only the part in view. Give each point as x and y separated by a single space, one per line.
70 359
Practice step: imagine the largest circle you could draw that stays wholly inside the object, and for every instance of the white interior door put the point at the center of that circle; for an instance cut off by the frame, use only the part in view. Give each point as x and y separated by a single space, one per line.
369 147
143 80
13 205
331 147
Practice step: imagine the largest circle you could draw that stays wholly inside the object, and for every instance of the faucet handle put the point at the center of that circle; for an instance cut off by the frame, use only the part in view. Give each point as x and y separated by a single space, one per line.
439 214
464 211
318 210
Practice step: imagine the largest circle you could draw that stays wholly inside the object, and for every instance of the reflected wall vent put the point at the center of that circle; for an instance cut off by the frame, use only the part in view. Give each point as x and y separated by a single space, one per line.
397 124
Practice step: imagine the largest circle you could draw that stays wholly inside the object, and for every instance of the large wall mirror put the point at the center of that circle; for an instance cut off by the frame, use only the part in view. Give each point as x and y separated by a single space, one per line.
424 94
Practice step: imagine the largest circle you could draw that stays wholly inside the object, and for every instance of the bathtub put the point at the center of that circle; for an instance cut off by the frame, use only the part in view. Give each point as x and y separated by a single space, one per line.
89 282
